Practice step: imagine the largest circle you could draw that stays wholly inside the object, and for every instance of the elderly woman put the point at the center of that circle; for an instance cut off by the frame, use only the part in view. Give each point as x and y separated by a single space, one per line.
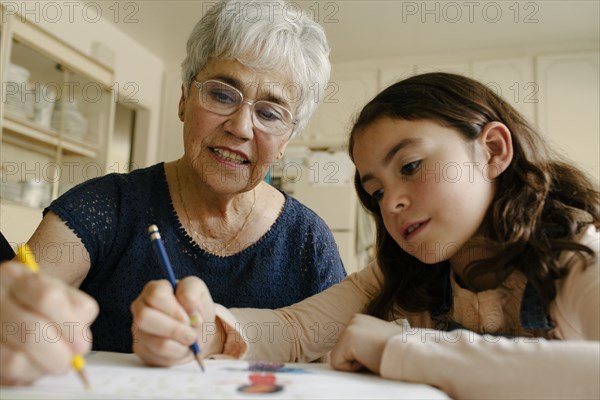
249 82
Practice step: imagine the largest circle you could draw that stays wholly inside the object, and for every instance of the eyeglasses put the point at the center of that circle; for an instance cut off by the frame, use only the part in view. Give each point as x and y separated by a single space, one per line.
224 99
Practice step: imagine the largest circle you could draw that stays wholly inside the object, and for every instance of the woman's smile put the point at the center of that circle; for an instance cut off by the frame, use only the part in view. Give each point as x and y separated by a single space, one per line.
228 157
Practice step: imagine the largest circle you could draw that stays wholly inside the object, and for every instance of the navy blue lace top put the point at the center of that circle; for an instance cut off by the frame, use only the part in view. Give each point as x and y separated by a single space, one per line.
295 259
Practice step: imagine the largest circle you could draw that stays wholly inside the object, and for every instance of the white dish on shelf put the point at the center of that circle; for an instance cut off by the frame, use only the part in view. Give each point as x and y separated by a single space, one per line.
74 124
11 191
16 73
18 100
20 111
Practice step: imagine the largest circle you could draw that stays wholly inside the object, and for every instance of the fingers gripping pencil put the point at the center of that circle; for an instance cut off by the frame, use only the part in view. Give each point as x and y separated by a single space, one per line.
25 256
163 260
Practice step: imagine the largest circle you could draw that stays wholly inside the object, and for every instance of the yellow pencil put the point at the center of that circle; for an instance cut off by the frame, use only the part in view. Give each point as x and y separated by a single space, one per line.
25 256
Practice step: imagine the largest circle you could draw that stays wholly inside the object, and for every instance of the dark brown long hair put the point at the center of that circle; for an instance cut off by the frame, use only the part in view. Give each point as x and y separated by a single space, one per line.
541 203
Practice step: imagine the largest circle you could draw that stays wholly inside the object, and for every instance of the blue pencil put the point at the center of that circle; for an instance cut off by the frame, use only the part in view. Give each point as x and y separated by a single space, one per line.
163 260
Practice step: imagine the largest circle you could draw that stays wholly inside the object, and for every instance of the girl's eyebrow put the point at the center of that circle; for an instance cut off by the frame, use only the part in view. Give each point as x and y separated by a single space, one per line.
404 143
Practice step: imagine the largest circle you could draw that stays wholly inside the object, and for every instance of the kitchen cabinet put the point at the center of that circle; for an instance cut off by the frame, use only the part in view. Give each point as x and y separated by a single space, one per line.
388 76
345 94
57 116
462 68
338 205
569 100
512 78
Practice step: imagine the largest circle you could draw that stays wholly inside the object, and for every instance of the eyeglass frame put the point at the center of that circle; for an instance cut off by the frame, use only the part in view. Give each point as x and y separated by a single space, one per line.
251 103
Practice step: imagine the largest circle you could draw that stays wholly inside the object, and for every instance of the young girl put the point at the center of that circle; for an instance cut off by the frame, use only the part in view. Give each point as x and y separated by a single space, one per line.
486 250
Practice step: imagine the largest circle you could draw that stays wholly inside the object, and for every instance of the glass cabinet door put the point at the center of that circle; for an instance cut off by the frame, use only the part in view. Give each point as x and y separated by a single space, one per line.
56 120
34 84
85 116
85 111
30 149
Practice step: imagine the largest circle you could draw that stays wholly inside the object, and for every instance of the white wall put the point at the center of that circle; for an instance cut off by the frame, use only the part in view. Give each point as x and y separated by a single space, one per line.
171 140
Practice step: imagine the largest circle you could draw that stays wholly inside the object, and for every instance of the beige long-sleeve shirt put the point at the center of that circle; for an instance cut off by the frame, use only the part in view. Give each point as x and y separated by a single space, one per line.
463 363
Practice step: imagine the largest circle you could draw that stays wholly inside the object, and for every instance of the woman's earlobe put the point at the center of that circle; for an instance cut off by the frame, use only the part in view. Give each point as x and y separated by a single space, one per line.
282 151
497 141
182 104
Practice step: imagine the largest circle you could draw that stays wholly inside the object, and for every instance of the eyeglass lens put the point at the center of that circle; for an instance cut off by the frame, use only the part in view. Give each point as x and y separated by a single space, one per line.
224 99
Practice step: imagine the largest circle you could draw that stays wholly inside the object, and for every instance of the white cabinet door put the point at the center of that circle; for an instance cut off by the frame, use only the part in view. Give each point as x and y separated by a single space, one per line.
513 80
346 247
569 104
462 68
345 95
336 204
388 76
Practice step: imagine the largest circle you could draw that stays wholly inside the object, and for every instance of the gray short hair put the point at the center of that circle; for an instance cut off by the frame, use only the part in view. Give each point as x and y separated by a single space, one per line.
268 36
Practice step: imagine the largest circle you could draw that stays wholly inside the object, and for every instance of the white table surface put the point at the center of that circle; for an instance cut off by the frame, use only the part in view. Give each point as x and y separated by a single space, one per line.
120 376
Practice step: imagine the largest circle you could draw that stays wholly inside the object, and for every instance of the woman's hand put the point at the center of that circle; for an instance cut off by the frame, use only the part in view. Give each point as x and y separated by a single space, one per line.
165 324
362 343
44 324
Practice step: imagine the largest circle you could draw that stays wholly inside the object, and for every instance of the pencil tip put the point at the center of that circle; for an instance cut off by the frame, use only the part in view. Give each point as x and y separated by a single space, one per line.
85 380
200 363
78 362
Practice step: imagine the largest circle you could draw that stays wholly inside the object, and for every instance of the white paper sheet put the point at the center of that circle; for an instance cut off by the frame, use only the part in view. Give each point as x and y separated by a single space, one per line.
120 376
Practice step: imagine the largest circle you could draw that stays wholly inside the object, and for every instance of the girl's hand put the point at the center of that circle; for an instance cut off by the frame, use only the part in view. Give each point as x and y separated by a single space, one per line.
45 323
165 324
362 343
